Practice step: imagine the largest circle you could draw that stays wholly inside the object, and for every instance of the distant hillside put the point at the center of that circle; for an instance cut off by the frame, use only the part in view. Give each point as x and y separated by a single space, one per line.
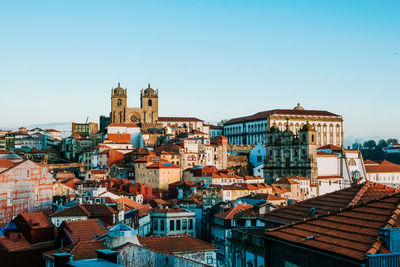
63 127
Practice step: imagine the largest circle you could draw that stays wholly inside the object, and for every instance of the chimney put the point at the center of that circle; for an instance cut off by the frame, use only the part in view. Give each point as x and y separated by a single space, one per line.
107 254
313 210
391 238
61 259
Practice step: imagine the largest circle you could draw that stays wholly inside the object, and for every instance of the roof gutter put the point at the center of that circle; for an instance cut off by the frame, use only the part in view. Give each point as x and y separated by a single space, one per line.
316 251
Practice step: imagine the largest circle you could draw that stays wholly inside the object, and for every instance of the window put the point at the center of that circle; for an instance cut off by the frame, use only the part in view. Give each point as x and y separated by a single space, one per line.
172 225
259 158
190 224
210 259
9 197
184 224
27 173
162 225
178 225
155 225
150 103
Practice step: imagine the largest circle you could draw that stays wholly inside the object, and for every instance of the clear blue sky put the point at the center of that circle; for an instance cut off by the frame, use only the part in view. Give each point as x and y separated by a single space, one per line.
209 59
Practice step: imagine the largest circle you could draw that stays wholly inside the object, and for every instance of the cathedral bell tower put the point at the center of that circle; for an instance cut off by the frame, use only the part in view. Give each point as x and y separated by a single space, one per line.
149 105
308 148
118 104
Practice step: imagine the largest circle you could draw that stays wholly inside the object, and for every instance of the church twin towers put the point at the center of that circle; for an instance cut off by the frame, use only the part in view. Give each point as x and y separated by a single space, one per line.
146 115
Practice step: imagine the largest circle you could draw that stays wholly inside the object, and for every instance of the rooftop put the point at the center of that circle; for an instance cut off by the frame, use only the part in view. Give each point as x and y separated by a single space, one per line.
90 210
329 202
37 220
83 230
181 119
384 166
175 244
266 114
229 214
350 233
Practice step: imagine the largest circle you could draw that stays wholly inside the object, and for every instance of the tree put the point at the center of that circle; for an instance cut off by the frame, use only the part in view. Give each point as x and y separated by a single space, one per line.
222 122
382 143
392 141
371 144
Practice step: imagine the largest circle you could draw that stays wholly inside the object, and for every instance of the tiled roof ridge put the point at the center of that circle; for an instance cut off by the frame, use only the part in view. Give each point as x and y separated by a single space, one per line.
16 165
315 217
360 193
389 223
367 186
82 207
310 199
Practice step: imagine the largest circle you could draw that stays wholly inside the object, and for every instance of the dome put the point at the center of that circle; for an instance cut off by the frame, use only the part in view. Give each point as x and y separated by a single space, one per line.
298 107
149 90
119 90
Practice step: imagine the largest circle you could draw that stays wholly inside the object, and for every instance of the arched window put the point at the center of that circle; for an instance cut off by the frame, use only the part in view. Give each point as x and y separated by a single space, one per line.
352 162
150 103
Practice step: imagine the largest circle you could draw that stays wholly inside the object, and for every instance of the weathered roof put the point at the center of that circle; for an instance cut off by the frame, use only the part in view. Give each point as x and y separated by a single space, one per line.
285 180
175 244
90 210
264 115
37 220
83 230
329 202
330 147
81 250
350 233
384 166
182 119
6 163
228 215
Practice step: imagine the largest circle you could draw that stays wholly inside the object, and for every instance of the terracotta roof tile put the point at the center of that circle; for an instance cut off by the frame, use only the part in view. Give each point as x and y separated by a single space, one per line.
228 215
331 147
82 250
285 180
384 166
90 210
14 245
351 233
175 244
182 119
37 219
83 230
329 202
6 163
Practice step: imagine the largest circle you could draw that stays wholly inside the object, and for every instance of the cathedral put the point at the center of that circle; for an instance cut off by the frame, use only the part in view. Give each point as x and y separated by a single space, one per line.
290 154
146 115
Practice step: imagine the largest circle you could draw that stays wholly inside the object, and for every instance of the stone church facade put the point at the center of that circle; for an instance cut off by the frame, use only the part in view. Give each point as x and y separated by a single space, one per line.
146 115
290 154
